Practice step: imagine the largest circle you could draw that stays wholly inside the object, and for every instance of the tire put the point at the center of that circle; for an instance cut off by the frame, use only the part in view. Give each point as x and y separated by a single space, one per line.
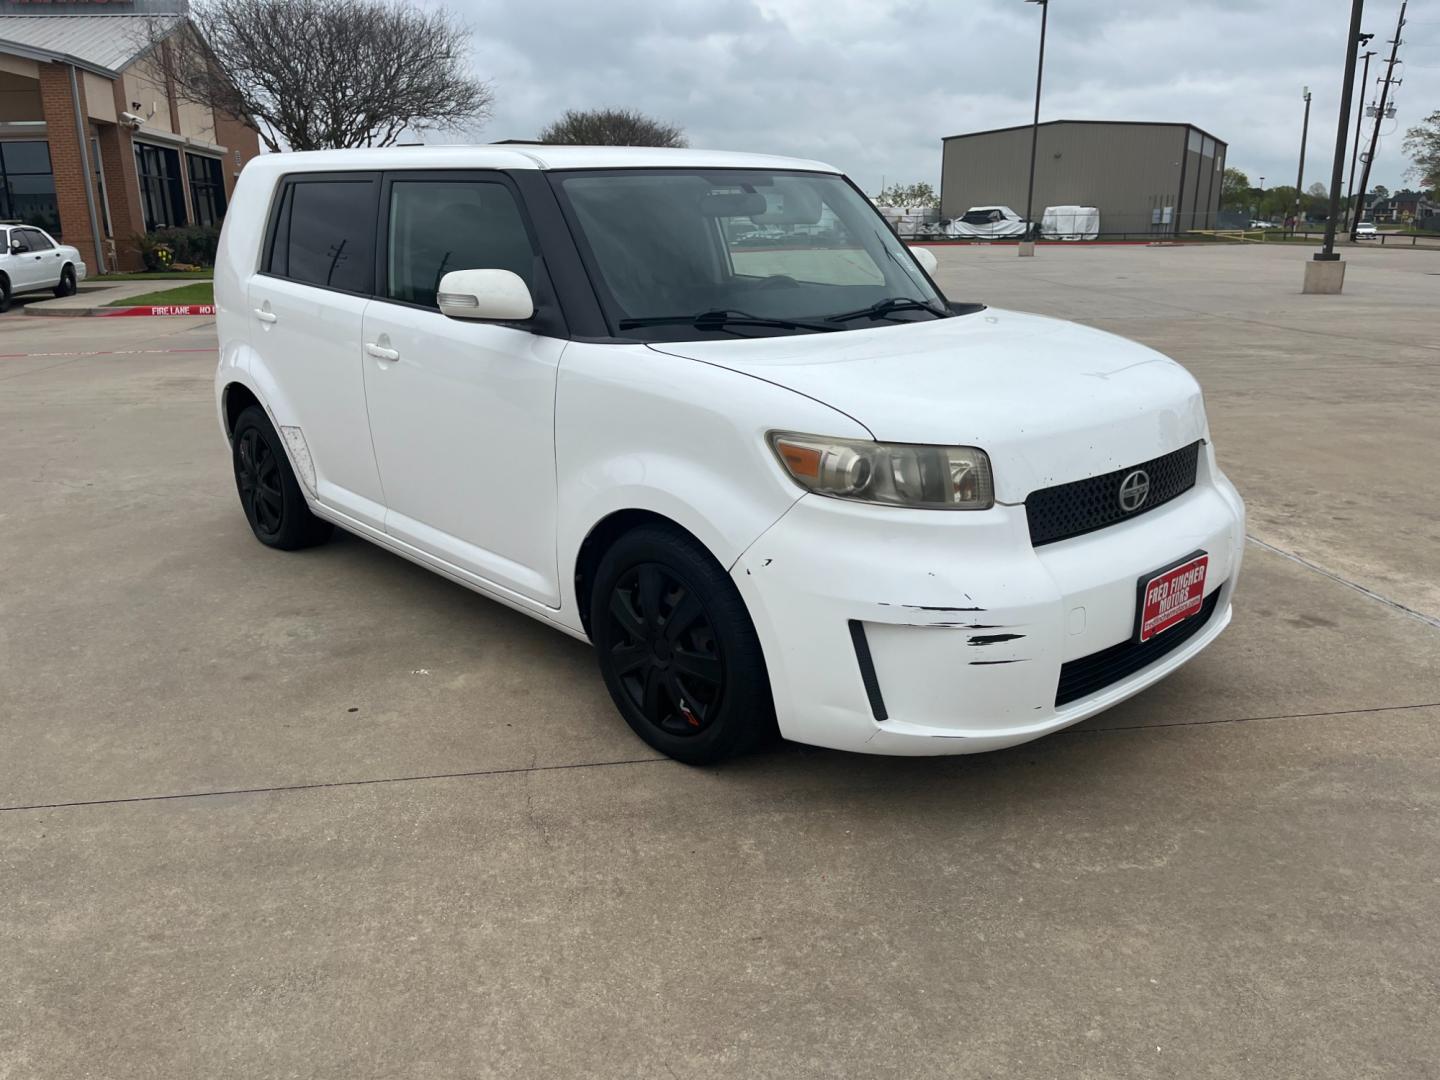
4 294
677 649
269 493
67 282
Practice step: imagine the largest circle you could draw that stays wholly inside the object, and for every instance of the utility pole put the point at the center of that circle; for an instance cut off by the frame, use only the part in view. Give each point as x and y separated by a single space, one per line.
1300 176
1369 158
1342 128
1027 242
1359 119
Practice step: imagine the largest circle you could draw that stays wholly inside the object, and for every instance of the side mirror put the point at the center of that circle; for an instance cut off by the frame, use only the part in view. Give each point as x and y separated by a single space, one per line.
926 258
484 294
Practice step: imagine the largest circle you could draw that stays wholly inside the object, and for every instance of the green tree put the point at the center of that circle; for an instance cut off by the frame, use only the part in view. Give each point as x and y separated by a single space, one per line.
917 194
1235 190
612 127
1422 147
1380 191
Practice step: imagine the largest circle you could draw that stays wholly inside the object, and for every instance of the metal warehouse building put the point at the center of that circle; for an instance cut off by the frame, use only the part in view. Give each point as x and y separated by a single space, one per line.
1158 179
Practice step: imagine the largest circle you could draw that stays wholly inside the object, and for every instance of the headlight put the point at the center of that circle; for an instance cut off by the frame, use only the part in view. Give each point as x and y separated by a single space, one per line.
893 474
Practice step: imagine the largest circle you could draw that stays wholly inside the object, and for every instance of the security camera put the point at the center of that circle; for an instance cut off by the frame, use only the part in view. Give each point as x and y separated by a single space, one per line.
130 120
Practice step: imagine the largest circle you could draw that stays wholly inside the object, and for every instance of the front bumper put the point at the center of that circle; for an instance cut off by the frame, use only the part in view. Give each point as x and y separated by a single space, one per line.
967 625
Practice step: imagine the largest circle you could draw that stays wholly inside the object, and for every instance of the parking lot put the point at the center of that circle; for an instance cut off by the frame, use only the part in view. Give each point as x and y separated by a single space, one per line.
328 815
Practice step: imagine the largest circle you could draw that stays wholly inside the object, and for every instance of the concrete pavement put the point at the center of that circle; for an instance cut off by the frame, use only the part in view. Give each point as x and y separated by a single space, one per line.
326 814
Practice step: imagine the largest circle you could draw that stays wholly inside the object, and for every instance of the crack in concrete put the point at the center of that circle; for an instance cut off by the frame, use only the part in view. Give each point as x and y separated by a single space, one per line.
520 770
1427 619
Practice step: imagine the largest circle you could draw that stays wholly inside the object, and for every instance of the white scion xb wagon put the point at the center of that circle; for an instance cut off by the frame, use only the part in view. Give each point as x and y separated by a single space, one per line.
705 411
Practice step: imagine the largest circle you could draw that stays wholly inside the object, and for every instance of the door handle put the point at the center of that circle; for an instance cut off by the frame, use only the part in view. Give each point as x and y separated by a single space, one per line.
380 352
265 316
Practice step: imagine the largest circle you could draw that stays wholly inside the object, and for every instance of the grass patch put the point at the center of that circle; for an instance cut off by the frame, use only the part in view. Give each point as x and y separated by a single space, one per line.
201 292
159 275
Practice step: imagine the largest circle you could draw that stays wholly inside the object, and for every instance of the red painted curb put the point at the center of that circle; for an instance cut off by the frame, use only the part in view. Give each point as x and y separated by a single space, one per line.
160 309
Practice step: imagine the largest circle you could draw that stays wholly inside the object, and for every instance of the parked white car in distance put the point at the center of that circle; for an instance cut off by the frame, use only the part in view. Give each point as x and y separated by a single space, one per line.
773 483
32 261
1365 230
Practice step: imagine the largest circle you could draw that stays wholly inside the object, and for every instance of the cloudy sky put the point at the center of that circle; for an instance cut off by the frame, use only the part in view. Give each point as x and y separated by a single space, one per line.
872 85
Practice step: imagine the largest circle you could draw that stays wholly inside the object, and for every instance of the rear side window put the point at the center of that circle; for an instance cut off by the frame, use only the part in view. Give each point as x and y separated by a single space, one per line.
324 233
38 241
440 225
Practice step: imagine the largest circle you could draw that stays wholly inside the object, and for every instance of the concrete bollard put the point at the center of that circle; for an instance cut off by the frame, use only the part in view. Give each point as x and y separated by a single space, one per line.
1324 278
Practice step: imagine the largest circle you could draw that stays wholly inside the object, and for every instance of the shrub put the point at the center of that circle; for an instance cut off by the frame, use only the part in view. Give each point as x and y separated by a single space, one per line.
191 245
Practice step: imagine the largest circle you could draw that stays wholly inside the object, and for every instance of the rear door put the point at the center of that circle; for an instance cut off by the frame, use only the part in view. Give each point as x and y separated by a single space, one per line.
307 307
462 411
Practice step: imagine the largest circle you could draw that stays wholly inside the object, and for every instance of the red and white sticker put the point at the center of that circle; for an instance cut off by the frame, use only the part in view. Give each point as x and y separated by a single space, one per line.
1172 596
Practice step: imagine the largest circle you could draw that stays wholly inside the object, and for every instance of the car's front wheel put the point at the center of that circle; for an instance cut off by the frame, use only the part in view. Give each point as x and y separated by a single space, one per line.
677 649
269 493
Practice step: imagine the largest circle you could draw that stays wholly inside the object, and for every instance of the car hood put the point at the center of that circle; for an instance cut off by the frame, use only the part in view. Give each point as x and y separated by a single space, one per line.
1049 401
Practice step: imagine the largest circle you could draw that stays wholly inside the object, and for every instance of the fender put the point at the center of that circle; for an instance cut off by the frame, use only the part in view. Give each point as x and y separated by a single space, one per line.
625 441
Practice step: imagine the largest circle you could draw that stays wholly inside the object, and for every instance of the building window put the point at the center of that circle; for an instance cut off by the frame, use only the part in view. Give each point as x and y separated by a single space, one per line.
27 186
207 189
162 197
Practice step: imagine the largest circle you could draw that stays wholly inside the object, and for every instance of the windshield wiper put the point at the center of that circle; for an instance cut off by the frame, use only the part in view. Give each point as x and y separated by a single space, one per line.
888 307
721 319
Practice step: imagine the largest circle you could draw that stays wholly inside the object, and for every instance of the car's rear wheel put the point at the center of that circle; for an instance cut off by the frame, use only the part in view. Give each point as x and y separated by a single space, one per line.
269 492
677 649
67 282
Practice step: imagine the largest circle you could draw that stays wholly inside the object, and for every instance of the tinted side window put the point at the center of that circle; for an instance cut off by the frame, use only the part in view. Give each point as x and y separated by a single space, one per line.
37 240
17 239
328 234
439 225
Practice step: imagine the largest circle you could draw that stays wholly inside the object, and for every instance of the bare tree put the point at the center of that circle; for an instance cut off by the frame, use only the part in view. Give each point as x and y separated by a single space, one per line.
612 127
315 74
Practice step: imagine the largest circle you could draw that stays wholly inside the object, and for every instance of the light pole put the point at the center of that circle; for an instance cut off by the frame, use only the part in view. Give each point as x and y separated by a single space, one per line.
1326 273
1300 176
1027 242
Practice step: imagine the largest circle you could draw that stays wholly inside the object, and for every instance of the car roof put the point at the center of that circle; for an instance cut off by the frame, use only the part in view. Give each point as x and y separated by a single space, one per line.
525 156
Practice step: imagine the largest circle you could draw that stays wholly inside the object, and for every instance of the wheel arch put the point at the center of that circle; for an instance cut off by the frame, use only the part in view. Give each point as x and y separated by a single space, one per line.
602 537
235 398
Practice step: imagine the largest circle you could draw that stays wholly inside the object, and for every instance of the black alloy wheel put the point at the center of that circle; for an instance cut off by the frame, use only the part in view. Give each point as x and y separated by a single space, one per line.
257 472
270 495
666 655
677 649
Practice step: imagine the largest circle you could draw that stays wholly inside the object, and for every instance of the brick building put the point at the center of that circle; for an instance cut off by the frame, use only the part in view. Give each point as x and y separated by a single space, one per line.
95 146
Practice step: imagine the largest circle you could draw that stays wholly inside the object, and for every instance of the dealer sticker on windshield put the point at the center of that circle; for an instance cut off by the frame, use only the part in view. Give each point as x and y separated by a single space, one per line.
1171 596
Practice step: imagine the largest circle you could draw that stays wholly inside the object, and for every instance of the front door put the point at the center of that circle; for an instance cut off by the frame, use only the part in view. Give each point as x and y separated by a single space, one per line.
307 307
22 265
46 258
461 411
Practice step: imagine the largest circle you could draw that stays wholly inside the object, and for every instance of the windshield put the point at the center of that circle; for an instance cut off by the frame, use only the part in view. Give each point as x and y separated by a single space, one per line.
760 253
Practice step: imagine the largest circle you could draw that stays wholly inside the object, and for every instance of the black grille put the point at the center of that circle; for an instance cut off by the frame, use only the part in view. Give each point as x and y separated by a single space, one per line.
1082 677
1066 510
